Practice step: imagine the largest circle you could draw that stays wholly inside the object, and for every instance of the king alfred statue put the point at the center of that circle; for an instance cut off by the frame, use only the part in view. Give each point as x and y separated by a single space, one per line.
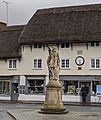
53 97
53 63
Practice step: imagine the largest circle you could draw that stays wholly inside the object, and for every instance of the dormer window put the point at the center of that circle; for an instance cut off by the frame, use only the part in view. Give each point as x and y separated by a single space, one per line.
37 45
64 45
94 44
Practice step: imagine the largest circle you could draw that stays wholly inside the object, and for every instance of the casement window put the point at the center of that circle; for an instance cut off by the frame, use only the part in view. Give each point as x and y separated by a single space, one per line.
37 45
5 87
12 64
65 63
64 45
37 63
95 63
94 44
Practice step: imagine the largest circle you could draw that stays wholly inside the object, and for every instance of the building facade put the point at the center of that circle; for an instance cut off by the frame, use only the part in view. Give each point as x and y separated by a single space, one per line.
76 33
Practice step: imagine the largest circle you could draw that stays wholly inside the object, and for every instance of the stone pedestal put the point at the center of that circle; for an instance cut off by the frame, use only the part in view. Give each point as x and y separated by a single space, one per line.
53 99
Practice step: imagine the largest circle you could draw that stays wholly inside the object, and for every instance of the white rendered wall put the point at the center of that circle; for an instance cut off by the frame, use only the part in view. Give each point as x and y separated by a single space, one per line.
31 97
25 65
5 98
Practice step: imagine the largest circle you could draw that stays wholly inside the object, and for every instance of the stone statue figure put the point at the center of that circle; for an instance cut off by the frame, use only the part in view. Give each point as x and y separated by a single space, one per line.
53 63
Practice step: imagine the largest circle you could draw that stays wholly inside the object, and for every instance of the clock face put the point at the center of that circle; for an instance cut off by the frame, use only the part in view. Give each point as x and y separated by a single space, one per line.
79 60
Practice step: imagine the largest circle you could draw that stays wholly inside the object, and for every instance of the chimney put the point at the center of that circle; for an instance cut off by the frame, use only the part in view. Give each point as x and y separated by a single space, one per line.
2 25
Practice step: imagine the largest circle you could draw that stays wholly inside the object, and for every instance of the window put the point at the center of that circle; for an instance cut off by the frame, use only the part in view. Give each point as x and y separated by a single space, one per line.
37 45
97 43
4 87
37 63
95 63
94 44
69 87
67 45
79 52
35 86
79 68
95 84
22 89
64 45
65 63
12 64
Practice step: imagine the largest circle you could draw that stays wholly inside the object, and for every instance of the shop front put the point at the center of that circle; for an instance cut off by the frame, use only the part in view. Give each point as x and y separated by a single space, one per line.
9 87
5 87
72 88
34 88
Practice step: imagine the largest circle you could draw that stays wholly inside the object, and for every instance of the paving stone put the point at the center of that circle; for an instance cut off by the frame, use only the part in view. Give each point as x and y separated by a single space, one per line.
5 116
34 115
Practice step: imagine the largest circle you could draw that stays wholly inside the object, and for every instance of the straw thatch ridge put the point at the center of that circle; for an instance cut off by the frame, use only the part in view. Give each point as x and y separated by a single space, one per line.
64 24
9 47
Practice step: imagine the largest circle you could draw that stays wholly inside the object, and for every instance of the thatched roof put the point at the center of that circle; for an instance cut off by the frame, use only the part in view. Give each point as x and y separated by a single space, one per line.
9 47
64 24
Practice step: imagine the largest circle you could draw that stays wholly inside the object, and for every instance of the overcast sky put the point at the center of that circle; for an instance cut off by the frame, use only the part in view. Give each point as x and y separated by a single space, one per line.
20 11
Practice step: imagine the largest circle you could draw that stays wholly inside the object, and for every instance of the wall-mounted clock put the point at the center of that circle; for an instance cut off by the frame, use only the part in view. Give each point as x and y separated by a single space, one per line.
79 60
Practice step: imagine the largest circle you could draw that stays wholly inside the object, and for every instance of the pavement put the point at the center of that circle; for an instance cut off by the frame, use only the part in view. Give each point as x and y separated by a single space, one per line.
41 102
5 116
27 114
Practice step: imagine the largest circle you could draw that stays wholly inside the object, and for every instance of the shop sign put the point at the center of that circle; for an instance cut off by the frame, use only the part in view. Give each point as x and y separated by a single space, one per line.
98 90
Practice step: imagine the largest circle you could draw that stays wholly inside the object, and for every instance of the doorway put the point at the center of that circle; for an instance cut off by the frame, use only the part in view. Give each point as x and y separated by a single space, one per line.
14 92
88 84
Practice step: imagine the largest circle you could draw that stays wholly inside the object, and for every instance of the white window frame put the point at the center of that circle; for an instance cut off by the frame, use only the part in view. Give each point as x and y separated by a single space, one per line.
65 65
95 63
37 64
12 66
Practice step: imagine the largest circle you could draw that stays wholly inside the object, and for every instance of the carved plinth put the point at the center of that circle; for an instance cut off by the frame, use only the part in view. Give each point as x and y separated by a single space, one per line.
53 99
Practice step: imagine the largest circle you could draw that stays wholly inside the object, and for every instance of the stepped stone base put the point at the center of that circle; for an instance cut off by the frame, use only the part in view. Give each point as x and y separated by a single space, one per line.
53 99
53 111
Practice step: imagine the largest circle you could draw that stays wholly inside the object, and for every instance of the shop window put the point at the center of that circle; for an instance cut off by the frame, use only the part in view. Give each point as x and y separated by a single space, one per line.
64 63
35 86
4 87
70 87
95 63
12 64
37 63
94 87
